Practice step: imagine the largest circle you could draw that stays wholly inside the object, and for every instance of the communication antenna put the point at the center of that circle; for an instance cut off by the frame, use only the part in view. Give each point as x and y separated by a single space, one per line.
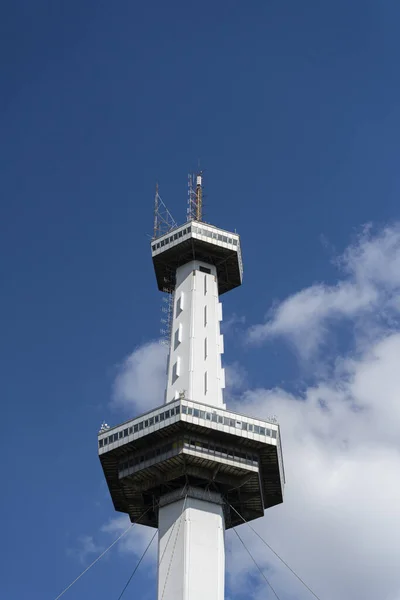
163 220
195 197
167 307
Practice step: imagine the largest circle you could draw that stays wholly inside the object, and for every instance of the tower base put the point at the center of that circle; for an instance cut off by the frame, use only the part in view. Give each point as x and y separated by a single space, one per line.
191 547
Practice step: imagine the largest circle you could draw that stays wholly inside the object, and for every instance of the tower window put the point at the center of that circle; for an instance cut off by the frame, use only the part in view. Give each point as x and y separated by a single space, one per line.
205 316
176 370
205 348
205 382
178 336
179 304
205 270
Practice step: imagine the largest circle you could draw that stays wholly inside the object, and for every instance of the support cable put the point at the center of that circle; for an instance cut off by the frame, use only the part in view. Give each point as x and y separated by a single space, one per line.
276 554
99 557
257 565
173 549
137 565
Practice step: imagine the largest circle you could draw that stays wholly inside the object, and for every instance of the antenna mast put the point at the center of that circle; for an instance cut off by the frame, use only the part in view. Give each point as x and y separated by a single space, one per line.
195 197
199 197
163 220
156 211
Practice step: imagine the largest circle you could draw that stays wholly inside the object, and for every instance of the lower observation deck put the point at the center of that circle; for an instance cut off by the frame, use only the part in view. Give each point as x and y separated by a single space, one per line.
188 443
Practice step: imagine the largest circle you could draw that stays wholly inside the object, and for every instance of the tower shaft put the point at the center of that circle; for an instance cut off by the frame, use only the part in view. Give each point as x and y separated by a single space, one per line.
191 551
191 530
194 365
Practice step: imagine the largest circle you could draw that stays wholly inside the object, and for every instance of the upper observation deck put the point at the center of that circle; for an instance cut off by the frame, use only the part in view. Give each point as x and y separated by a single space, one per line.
196 240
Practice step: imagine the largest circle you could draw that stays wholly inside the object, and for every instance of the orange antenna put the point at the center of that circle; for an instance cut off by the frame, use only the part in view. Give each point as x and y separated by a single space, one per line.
199 196
195 197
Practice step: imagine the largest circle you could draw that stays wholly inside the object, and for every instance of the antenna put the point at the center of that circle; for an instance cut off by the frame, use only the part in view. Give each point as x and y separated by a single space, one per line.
156 211
191 199
167 309
163 220
199 197
195 197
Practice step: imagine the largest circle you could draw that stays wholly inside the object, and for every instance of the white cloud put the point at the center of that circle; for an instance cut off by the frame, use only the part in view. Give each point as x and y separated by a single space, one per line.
140 381
371 278
339 525
136 540
236 378
87 546
233 324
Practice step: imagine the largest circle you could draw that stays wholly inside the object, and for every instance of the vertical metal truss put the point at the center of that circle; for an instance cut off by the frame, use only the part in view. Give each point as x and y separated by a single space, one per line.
191 208
164 222
195 197
167 309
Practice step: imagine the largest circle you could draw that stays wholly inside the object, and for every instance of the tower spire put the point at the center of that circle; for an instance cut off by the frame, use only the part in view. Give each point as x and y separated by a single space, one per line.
195 197
199 196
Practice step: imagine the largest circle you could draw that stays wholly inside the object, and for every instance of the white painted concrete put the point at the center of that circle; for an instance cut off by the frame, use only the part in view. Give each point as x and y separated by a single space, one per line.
194 365
191 559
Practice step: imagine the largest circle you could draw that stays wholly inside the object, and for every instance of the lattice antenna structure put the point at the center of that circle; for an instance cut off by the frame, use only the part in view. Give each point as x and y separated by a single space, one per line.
195 197
164 223
191 198
166 318
163 220
167 308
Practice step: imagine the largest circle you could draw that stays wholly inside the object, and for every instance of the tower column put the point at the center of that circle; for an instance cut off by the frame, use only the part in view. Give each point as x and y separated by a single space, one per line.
191 547
194 365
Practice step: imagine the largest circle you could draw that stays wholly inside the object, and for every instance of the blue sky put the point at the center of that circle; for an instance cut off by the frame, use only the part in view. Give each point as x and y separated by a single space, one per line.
294 111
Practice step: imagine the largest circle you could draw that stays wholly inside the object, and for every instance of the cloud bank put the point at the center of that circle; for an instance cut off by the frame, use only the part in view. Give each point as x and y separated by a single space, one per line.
140 381
366 295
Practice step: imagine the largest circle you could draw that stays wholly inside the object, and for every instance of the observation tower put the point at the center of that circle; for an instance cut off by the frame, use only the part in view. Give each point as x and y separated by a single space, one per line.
191 467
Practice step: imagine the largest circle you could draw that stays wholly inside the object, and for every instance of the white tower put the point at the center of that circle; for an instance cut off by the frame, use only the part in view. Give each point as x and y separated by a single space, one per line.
185 465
